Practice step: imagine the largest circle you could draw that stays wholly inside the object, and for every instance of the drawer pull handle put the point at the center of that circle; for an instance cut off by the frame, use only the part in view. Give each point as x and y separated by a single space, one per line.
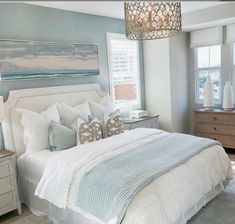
215 118
215 128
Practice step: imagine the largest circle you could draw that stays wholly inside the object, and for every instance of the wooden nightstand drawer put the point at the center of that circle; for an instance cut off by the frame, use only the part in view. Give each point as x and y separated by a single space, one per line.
217 124
5 168
215 118
6 199
226 140
5 185
215 128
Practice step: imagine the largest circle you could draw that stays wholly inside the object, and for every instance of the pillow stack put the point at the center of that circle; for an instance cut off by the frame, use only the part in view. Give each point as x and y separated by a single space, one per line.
36 127
62 127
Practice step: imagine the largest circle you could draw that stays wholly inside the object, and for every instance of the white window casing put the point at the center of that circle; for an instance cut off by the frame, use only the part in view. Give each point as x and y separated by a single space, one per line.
124 72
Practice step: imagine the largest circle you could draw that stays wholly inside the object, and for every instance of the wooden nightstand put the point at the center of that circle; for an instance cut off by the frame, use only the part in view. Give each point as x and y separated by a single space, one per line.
144 122
9 198
216 124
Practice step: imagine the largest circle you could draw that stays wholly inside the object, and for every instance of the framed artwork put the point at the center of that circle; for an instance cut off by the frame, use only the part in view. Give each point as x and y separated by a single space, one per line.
36 60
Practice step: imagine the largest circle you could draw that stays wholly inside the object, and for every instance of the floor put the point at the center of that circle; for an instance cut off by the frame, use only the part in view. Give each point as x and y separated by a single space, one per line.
12 216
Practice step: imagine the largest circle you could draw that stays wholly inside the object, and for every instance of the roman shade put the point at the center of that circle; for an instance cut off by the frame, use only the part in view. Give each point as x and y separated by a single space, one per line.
206 37
230 33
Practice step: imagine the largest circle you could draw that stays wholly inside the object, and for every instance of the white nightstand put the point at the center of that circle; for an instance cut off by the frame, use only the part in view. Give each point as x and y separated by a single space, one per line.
144 122
9 198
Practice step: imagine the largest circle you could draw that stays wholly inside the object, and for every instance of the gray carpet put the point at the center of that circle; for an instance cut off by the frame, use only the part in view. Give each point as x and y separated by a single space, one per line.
221 210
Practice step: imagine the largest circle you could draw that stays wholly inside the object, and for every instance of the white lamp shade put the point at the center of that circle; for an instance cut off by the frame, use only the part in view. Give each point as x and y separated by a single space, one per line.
2 112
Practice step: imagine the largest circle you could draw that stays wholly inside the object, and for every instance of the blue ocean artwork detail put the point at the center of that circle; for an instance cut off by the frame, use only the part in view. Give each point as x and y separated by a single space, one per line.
37 60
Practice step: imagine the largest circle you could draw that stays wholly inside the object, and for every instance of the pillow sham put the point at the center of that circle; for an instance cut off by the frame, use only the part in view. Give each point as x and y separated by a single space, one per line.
61 137
87 132
113 124
35 134
68 114
99 109
84 107
52 113
107 102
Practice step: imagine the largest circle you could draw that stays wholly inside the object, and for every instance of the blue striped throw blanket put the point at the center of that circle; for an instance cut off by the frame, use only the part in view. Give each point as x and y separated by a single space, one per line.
107 189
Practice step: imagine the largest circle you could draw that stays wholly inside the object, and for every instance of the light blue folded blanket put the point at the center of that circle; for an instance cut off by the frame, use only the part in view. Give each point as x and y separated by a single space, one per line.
107 189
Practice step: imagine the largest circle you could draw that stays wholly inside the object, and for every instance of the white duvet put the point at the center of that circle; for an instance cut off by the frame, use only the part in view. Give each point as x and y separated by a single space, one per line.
172 198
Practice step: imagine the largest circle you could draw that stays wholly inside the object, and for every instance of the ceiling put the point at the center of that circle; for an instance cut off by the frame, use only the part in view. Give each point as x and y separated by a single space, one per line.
113 9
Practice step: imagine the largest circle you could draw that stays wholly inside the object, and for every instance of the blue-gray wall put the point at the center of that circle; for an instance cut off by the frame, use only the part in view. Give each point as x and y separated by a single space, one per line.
26 22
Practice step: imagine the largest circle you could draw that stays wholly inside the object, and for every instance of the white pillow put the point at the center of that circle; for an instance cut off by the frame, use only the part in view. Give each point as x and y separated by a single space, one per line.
107 102
99 109
84 107
36 127
68 114
52 113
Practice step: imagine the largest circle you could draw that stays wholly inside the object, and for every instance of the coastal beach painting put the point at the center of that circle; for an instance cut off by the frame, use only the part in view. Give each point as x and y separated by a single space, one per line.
36 60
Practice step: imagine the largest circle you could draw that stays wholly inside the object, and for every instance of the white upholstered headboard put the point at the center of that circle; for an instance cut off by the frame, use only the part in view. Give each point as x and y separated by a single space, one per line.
39 99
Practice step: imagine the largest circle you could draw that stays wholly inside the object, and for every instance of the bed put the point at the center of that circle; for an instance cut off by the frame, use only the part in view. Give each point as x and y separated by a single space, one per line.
173 197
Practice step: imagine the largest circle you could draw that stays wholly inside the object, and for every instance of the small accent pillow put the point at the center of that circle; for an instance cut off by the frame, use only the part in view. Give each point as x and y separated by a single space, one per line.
61 137
36 127
113 124
87 132
68 114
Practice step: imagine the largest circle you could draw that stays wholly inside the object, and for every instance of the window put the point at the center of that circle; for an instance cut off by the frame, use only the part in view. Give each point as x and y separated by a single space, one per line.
208 62
123 55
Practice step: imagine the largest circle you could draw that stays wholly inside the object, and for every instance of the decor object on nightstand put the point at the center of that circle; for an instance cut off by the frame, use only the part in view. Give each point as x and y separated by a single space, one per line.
138 113
9 198
145 122
208 103
228 96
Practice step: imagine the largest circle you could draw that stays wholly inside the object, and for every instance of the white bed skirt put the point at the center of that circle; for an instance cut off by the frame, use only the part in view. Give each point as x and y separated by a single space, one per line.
41 207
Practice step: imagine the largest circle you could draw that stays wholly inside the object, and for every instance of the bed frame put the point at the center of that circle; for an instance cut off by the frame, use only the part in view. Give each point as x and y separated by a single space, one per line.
39 99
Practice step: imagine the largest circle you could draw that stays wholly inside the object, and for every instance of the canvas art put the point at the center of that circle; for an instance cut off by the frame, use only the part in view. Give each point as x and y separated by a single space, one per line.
30 60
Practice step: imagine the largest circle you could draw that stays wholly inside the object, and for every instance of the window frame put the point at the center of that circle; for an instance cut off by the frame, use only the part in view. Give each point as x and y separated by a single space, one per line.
120 36
197 70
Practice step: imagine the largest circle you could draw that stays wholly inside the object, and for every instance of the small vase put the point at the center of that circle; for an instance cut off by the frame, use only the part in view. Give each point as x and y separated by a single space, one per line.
208 103
228 96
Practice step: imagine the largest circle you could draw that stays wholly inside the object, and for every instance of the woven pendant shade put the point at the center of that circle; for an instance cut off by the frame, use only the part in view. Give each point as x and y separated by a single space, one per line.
152 20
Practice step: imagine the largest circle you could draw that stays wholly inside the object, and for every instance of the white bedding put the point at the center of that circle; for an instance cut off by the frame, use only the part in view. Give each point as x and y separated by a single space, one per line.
31 166
173 198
